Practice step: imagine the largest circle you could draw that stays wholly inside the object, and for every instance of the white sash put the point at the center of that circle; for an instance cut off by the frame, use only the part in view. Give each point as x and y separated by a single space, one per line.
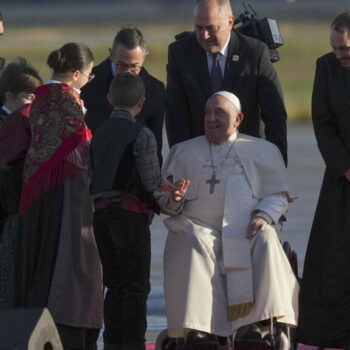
239 203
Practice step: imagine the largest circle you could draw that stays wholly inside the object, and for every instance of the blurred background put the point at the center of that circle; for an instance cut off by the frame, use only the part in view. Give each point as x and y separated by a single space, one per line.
35 27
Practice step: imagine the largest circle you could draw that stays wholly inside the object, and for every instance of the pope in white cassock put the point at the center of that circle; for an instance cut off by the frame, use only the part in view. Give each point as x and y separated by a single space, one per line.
224 266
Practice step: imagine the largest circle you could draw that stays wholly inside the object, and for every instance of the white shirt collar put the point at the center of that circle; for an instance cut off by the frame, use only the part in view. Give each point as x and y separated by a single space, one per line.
232 137
7 110
54 81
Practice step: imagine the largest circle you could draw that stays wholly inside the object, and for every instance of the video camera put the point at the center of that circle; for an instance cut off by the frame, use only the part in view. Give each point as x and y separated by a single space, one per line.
265 29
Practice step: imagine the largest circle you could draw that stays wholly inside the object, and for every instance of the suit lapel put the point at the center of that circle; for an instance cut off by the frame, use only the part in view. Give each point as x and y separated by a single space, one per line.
347 84
233 62
200 62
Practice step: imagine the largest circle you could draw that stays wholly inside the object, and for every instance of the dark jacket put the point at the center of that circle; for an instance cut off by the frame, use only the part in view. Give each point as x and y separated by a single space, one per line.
248 74
98 108
113 161
324 296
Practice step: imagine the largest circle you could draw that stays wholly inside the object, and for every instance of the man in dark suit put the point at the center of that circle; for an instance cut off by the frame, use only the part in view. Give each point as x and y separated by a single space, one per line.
127 54
324 299
216 58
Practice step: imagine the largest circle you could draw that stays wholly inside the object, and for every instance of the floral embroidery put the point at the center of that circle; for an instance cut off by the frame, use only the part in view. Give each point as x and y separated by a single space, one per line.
59 143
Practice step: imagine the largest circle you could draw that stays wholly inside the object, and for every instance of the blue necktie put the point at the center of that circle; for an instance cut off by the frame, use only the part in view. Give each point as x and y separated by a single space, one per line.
216 74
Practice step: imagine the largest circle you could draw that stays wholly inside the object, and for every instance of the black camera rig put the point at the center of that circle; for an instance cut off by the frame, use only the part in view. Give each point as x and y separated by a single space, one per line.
264 29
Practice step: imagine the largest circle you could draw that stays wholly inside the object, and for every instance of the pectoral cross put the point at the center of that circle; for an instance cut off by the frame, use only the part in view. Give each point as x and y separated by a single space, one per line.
212 182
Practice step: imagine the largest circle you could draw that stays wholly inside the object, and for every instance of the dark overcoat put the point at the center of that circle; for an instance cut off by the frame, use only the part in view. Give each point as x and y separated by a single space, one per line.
325 291
99 109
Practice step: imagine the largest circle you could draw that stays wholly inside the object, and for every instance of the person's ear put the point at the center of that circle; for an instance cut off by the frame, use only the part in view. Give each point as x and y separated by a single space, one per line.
109 98
140 102
75 75
231 21
9 96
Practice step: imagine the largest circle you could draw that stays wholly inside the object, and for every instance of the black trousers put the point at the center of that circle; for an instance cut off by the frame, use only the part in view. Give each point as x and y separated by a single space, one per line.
123 240
78 338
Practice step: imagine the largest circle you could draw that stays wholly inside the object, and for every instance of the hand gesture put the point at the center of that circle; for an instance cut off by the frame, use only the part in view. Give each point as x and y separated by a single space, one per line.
178 193
255 225
167 185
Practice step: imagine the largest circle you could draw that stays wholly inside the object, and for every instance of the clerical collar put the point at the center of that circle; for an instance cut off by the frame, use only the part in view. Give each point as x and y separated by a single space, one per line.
232 138
7 110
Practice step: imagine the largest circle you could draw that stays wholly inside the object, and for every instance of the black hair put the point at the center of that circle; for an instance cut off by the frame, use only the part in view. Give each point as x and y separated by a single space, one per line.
341 22
126 89
130 37
18 76
70 57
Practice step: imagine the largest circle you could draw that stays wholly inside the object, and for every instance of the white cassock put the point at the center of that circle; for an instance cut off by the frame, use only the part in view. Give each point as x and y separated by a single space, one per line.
215 280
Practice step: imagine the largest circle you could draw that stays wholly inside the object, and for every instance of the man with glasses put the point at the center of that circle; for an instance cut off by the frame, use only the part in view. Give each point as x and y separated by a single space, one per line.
214 58
127 54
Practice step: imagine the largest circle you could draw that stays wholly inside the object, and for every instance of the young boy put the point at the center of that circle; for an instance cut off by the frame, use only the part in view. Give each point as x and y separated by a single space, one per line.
125 174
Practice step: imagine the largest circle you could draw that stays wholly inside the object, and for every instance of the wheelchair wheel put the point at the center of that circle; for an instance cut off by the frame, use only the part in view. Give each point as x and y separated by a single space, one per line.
287 249
162 340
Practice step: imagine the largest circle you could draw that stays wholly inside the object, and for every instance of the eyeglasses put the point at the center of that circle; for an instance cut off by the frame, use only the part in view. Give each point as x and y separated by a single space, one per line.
89 77
135 68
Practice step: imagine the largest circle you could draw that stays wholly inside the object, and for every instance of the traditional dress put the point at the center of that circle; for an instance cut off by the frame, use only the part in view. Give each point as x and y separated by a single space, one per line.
210 282
60 265
14 143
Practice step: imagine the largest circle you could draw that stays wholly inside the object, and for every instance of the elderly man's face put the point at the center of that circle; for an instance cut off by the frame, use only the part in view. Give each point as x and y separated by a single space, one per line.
340 43
212 25
222 119
127 60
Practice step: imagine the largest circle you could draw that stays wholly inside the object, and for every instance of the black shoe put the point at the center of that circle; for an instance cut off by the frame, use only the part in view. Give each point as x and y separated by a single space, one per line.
250 332
200 337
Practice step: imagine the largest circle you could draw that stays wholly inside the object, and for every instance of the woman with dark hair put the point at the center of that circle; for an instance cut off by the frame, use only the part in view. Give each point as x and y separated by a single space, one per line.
61 268
17 85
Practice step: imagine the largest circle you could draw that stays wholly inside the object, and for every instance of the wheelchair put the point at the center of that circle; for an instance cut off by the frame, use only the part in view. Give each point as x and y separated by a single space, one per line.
265 335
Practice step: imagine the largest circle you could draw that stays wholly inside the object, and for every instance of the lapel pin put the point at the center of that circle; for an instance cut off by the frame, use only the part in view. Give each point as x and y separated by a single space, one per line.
235 58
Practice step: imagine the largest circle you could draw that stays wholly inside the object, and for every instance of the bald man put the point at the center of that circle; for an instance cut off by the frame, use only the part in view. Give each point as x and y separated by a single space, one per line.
215 57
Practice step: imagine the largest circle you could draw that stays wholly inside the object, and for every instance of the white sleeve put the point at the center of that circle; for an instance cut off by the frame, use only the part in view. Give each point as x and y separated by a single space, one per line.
167 205
274 206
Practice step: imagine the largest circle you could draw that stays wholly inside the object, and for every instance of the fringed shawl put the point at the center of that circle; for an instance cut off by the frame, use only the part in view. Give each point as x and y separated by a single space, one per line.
60 141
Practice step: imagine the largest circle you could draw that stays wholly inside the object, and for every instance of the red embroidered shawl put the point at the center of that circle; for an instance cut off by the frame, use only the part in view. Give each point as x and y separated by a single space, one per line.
60 141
